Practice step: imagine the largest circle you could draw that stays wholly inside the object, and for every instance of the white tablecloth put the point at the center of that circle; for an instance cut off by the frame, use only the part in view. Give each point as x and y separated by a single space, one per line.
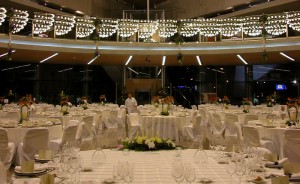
167 127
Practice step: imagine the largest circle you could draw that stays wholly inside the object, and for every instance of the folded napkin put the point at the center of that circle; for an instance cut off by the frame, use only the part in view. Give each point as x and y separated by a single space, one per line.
49 123
37 167
279 162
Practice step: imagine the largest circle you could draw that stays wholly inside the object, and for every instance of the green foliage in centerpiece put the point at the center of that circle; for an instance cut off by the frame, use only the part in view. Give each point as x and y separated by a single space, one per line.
143 143
246 105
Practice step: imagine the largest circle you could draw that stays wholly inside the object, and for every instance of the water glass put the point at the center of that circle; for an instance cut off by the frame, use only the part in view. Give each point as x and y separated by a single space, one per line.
189 173
177 171
230 167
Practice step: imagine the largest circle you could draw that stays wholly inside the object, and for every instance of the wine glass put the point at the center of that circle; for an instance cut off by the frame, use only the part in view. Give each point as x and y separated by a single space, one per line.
177 171
116 174
230 167
130 173
240 166
189 173
122 169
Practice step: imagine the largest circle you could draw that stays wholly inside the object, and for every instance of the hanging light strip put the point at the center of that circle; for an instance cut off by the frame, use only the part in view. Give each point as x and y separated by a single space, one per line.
230 27
252 26
147 28
18 20
64 24
293 20
189 27
209 27
107 27
276 24
127 27
2 15
167 28
85 27
42 22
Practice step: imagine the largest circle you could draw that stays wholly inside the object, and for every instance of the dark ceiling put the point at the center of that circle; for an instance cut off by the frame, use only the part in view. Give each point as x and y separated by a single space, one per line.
142 4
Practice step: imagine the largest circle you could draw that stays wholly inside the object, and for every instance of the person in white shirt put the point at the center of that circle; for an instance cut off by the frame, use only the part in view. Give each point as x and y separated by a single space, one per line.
131 104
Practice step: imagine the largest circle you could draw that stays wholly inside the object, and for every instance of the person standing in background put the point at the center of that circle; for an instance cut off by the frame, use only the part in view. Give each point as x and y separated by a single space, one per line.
131 104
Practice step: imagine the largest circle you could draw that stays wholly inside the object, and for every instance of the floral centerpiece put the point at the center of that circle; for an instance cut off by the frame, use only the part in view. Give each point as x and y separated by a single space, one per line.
167 103
84 102
24 104
2 102
270 100
156 101
144 143
292 108
102 99
225 101
64 99
246 105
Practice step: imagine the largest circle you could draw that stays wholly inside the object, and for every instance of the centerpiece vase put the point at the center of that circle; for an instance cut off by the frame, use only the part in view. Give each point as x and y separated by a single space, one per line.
156 104
24 113
293 114
246 107
64 109
165 109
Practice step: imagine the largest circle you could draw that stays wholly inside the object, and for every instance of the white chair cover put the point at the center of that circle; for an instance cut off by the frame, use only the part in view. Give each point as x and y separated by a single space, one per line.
34 140
7 149
121 117
88 137
3 173
192 130
252 138
231 131
250 117
217 126
134 126
69 134
194 107
292 145
112 120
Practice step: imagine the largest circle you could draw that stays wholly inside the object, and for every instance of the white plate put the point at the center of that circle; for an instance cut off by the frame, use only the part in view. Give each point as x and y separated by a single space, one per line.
108 181
34 173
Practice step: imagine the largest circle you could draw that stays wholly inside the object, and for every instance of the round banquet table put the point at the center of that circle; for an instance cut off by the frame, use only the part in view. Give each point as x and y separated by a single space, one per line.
167 127
16 135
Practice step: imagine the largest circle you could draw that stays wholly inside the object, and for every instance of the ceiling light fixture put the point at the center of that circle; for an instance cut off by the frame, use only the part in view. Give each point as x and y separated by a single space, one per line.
159 72
290 58
2 15
42 22
91 61
7 53
199 60
242 59
15 67
19 20
64 70
129 59
49 57
133 70
164 60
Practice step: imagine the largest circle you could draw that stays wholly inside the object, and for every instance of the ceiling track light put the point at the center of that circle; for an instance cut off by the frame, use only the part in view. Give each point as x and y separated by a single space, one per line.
64 70
7 53
133 70
164 61
159 72
242 59
91 61
199 60
290 58
49 57
21 66
129 59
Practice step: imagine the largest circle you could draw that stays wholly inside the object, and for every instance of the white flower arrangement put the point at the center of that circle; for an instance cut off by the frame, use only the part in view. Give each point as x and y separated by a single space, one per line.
143 143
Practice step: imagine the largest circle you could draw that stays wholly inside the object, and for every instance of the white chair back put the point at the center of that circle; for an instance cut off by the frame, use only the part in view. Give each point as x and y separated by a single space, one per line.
230 124
292 145
251 136
194 107
250 117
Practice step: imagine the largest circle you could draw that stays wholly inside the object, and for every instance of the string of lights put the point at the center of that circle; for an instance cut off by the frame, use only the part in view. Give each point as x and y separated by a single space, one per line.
2 15
18 20
85 27
42 22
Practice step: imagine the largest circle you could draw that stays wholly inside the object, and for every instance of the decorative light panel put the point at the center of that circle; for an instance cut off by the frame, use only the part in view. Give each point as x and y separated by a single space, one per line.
107 27
42 22
127 27
252 26
167 28
64 24
209 27
147 28
19 20
276 24
293 19
2 15
230 27
189 27
85 27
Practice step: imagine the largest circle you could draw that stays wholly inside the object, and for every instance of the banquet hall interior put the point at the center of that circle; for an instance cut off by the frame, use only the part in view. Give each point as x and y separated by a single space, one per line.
214 86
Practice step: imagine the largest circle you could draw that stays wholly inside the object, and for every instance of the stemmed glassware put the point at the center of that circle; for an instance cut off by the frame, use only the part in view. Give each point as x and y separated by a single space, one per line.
230 167
130 173
240 166
177 171
189 173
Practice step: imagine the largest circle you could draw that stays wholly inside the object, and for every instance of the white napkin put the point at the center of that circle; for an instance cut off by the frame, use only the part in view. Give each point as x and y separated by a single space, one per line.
281 161
49 123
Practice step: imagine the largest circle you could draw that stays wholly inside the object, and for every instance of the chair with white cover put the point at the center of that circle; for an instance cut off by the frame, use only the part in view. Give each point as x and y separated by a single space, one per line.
69 135
34 140
231 131
3 173
88 137
194 107
217 126
250 117
111 121
7 149
291 144
192 131
134 127
252 138
121 117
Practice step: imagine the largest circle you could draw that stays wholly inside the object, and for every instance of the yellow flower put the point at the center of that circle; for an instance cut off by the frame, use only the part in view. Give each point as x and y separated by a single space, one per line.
158 140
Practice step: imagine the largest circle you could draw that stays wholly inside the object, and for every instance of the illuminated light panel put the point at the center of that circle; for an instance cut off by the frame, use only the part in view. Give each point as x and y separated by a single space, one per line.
49 57
199 60
290 58
7 53
242 59
91 61
164 61
129 59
